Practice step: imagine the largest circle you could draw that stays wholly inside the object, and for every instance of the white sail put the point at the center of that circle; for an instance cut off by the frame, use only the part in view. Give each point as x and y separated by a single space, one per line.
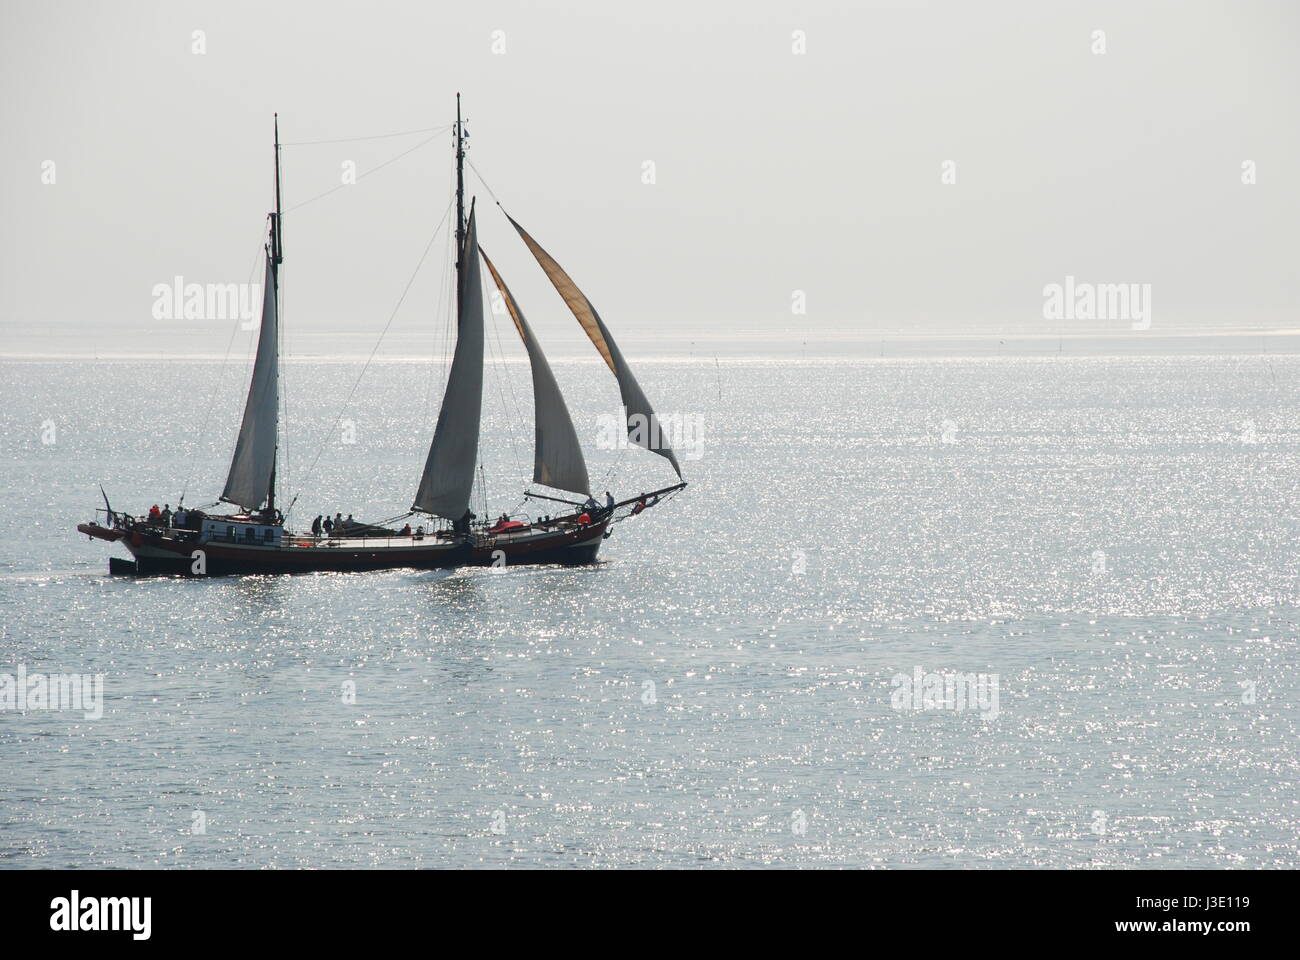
253 465
643 426
557 455
448 477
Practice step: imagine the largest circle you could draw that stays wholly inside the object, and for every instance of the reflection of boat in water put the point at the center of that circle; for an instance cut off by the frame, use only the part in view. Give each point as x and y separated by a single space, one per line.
256 539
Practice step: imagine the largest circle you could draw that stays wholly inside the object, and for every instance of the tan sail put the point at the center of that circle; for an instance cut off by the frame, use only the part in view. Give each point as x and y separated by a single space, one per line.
643 426
557 455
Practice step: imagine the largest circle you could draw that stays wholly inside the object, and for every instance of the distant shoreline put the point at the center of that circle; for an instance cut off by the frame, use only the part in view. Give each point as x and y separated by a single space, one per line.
777 347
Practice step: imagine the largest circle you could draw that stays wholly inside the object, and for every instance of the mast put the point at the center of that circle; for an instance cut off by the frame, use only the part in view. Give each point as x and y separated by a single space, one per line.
277 255
277 244
251 481
447 484
460 199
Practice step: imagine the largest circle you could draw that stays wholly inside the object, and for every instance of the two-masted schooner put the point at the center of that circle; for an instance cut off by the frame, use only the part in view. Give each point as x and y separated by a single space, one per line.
255 537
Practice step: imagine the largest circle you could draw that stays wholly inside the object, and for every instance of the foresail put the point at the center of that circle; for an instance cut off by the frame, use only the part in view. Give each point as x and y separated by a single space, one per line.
251 468
643 427
448 478
557 455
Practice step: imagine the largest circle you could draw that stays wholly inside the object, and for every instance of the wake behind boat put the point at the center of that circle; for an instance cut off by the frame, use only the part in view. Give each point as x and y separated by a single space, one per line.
255 537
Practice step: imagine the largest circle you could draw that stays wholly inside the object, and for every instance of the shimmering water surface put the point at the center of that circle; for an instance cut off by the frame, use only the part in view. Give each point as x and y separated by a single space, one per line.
1113 539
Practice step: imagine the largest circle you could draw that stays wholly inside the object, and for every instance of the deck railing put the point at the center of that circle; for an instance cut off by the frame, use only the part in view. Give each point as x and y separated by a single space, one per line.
480 539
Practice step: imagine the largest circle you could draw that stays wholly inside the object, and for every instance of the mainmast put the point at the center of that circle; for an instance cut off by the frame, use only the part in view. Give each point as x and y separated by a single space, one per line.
447 484
277 255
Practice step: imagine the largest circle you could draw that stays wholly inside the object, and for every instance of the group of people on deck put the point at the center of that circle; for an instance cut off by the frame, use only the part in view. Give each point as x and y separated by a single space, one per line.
592 511
325 526
166 518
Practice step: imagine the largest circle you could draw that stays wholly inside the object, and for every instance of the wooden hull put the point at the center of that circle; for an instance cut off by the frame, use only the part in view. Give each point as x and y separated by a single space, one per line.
174 552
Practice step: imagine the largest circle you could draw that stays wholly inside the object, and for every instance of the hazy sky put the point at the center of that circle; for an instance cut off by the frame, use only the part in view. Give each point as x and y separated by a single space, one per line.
774 171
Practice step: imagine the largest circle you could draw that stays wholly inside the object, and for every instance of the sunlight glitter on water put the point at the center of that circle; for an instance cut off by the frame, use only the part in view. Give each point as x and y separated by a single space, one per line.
717 691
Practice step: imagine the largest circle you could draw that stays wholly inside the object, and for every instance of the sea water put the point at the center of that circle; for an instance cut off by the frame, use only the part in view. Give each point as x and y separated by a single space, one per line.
929 611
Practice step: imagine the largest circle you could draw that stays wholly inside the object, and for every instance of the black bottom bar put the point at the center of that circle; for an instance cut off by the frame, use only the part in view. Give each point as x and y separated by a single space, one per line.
947 913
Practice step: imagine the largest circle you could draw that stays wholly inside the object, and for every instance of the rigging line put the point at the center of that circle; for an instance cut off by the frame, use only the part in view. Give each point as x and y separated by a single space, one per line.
361 176
379 136
216 383
451 318
450 282
482 181
438 349
496 330
284 394
375 349
607 481
286 477
499 374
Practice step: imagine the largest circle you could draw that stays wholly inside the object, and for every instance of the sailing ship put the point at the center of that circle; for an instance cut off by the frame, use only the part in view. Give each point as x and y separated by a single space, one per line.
255 538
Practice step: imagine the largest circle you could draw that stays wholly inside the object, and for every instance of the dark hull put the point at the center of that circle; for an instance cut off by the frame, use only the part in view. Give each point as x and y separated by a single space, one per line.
161 552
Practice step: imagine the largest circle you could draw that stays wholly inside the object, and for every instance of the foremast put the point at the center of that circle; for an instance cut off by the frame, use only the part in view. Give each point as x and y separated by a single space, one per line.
460 202
277 257
250 484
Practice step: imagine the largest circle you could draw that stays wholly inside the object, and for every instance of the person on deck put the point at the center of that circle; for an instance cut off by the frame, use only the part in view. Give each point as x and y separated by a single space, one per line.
461 526
165 518
609 501
406 530
154 514
316 526
640 505
584 519
328 526
590 503
181 518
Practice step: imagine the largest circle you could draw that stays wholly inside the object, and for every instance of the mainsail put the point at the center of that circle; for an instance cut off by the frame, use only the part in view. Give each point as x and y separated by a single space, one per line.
448 476
557 455
253 466
643 426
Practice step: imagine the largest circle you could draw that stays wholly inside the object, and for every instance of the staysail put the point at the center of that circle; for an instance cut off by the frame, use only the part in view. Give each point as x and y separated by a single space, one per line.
643 427
557 455
448 478
253 465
